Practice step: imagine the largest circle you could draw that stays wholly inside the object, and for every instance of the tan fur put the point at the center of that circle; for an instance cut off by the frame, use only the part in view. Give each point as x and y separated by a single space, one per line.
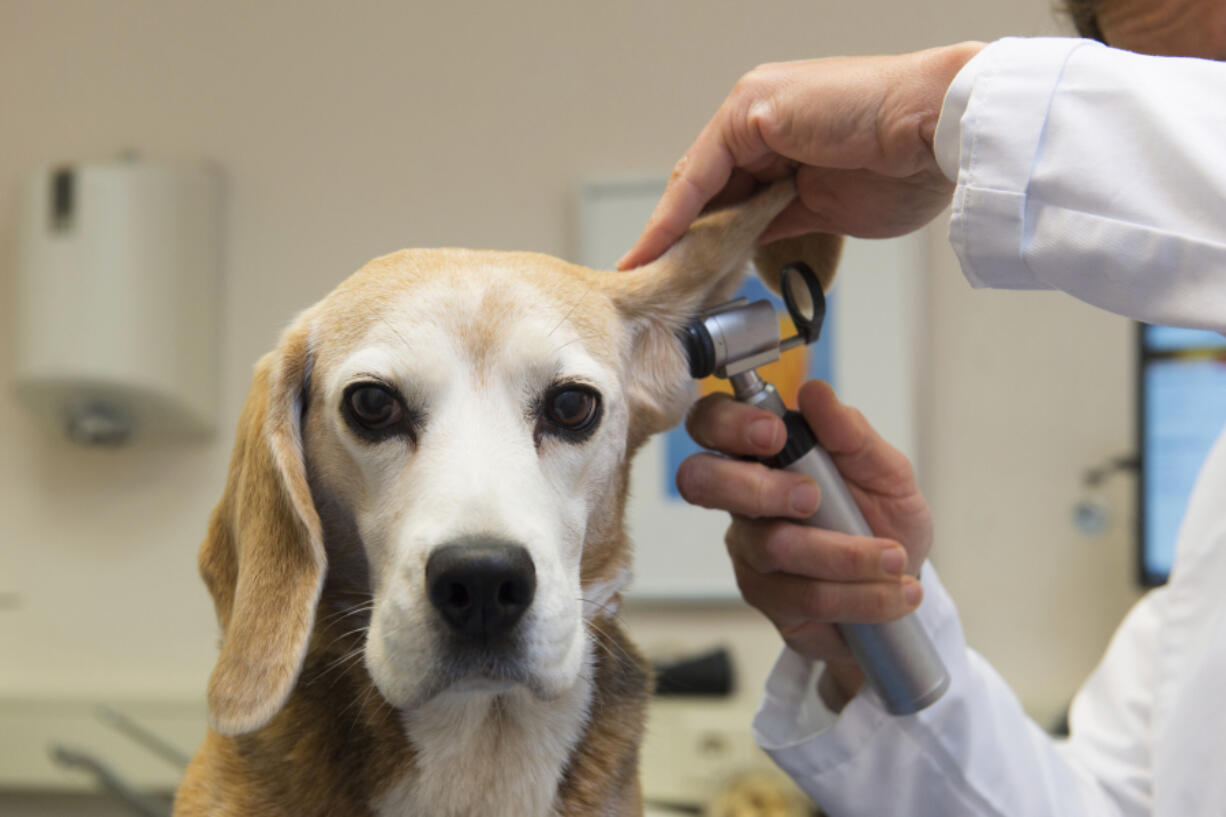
299 726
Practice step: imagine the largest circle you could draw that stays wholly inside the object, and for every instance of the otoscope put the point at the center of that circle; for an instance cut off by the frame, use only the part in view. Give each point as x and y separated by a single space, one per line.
731 341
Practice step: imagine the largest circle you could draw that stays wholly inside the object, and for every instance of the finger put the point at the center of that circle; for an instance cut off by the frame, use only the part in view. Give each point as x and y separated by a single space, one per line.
867 204
777 546
729 141
696 178
796 219
817 641
741 185
790 601
723 424
746 488
862 456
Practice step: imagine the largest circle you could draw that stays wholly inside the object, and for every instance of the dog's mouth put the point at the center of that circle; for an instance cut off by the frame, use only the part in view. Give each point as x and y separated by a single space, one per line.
476 667
494 662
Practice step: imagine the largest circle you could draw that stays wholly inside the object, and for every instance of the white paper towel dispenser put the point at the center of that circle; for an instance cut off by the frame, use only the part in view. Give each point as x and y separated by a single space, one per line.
117 298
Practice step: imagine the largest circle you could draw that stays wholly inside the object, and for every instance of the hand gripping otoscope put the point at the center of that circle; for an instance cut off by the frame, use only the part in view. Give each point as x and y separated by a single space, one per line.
731 341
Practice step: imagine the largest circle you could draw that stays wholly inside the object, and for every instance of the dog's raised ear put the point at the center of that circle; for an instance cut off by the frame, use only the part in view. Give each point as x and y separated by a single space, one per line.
704 268
820 251
263 558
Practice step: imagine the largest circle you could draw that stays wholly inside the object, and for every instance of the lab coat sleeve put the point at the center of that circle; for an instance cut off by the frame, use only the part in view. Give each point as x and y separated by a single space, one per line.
1094 171
973 752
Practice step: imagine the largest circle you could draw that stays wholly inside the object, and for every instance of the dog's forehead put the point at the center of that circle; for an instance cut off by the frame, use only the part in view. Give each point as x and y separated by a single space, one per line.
479 305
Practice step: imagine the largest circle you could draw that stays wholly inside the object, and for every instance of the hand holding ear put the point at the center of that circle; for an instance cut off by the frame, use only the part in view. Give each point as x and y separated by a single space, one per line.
856 133
803 578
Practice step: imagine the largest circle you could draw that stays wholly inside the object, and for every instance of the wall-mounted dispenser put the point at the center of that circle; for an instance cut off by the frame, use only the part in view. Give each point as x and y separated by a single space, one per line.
117 298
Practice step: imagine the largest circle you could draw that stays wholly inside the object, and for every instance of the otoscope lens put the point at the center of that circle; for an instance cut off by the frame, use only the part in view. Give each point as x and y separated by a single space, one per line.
806 303
801 298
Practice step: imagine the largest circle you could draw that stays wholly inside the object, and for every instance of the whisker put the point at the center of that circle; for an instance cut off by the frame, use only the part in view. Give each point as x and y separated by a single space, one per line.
574 340
605 642
571 312
340 665
359 701
387 322
602 605
342 636
346 612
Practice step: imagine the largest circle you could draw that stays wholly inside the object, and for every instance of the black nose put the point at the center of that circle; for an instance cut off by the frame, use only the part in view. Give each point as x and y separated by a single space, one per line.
481 587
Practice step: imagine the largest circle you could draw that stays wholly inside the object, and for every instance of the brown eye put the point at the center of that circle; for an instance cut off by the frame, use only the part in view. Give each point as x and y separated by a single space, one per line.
574 409
373 407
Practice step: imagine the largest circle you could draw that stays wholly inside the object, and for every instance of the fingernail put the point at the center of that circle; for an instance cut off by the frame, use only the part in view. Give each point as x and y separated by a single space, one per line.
804 498
894 560
621 262
913 592
762 433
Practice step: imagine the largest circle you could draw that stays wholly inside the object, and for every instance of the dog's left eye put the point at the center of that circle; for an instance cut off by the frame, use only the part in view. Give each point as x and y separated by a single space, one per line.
572 408
374 408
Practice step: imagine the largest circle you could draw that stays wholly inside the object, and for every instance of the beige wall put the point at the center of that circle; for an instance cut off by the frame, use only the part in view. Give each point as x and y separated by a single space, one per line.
347 130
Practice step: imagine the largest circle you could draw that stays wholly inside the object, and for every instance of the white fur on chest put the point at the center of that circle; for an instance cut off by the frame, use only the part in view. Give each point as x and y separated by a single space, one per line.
484 754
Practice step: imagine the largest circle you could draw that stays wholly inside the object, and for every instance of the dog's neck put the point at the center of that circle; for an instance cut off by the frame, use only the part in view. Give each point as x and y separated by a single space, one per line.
486 753
575 756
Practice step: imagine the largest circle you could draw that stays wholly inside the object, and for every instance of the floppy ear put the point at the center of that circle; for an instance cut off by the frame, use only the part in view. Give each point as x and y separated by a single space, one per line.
820 251
263 558
701 270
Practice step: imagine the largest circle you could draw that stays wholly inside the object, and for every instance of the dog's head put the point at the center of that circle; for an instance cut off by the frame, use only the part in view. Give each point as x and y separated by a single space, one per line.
445 438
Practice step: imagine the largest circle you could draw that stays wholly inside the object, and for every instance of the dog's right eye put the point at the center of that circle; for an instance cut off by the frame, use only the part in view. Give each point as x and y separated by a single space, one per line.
373 410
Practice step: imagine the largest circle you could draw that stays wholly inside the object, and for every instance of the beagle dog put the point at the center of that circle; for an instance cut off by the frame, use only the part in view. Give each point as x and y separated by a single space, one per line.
417 560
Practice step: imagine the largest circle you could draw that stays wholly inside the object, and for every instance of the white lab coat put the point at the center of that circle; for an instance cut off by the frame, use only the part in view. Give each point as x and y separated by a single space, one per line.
1103 174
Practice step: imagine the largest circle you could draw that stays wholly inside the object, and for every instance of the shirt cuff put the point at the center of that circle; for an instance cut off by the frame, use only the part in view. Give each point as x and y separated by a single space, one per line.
802 735
946 140
988 136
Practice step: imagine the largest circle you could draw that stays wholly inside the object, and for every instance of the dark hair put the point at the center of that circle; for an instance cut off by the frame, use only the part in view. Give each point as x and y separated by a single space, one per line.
1084 16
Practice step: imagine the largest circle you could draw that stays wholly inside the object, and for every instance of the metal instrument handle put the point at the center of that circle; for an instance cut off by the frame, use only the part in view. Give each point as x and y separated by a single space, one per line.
897 657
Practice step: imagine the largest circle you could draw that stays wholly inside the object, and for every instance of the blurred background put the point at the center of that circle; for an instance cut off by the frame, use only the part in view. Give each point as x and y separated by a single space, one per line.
344 131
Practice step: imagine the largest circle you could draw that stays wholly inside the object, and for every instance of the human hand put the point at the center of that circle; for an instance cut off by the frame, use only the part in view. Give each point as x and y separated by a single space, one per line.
855 131
804 578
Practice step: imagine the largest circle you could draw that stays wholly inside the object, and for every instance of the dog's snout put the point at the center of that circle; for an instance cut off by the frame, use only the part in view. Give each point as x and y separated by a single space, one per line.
481 588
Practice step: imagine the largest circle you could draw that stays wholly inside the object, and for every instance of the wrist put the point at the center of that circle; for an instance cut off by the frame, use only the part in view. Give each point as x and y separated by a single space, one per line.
939 68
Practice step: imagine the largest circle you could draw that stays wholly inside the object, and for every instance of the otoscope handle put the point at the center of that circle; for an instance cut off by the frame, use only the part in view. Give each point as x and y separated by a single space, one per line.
897 657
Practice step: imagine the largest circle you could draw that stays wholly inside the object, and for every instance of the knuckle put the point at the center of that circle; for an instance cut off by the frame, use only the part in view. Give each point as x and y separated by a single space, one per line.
820 602
679 168
763 494
774 546
734 538
848 561
759 83
903 470
881 603
871 605
748 82
761 74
